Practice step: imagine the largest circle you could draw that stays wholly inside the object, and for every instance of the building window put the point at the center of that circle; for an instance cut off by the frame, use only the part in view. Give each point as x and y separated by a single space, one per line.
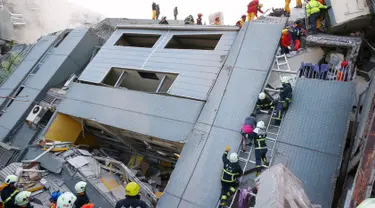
154 82
194 42
61 39
36 69
137 40
12 98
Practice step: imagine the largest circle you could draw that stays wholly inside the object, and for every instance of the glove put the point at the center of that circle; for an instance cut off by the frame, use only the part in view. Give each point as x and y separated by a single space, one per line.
329 7
227 148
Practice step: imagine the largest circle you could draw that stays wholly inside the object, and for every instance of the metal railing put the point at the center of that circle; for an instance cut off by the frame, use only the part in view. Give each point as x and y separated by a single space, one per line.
327 72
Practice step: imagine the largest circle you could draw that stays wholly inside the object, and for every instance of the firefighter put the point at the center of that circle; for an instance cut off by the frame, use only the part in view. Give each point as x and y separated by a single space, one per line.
313 12
82 197
163 21
157 11
175 13
189 20
153 10
217 21
253 8
199 19
23 200
298 4
296 33
54 196
285 42
132 197
66 200
231 172
287 7
260 146
264 102
10 191
242 20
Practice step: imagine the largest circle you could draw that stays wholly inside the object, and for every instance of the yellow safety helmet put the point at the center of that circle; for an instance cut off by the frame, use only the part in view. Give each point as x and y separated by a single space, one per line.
285 31
132 189
11 179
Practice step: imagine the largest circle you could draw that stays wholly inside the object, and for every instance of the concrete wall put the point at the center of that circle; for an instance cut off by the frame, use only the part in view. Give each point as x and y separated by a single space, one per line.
197 69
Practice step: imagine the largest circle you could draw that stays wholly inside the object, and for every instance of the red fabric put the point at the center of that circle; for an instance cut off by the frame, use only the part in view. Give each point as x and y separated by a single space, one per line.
344 63
285 40
297 45
88 206
247 129
252 7
238 23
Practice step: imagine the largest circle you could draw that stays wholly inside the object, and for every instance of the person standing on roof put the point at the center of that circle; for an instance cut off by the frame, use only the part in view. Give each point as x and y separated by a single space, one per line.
260 146
313 12
287 7
157 11
10 191
132 199
153 10
264 102
229 177
298 4
54 196
217 21
285 42
22 200
82 197
199 19
175 13
253 8
241 21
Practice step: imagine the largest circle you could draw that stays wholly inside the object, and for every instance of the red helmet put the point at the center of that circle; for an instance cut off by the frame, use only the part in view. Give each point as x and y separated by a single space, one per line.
243 16
200 14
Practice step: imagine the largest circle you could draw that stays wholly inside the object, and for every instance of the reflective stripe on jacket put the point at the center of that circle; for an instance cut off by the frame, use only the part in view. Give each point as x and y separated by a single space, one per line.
314 7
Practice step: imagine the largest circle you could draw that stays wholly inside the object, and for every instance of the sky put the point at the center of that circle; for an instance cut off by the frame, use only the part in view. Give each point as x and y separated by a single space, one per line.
141 9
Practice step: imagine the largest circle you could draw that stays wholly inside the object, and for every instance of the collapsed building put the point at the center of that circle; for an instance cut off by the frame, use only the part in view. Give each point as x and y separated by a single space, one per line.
130 100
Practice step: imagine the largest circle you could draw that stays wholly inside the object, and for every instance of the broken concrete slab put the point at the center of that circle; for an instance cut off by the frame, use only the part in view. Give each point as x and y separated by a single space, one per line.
48 161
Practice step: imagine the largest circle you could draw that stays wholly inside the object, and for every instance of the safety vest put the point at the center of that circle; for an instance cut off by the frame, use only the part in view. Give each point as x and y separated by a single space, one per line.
313 6
260 142
11 196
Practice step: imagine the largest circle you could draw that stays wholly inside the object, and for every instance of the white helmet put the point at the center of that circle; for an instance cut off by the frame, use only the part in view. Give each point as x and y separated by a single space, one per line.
66 200
284 80
11 179
80 187
261 125
262 96
233 157
22 198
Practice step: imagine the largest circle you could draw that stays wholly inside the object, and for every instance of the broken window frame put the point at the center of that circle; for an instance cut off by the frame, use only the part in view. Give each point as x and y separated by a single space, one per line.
181 42
137 40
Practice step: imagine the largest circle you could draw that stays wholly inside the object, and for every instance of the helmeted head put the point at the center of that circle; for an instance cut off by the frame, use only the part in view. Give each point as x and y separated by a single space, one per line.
260 5
284 80
243 17
284 32
66 200
132 189
55 195
233 157
11 179
262 96
80 187
217 19
297 23
261 125
200 14
164 18
22 198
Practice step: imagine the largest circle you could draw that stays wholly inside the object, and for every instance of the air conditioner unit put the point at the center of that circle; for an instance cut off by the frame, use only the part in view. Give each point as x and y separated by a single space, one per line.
36 114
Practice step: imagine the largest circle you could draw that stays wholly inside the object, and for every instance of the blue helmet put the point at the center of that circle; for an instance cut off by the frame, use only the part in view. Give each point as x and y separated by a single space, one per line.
55 195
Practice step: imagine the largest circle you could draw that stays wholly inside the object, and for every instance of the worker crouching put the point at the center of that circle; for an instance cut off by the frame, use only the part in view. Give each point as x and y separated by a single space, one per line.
241 21
285 42
313 13
229 178
260 146
264 102
9 192
199 19
253 8
132 199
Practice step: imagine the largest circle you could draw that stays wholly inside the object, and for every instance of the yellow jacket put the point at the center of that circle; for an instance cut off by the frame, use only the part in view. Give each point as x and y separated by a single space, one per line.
314 7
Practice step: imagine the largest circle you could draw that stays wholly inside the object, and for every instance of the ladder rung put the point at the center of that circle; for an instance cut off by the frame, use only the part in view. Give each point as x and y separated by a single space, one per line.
275 126
283 63
272 133
242 159
253 162
271 138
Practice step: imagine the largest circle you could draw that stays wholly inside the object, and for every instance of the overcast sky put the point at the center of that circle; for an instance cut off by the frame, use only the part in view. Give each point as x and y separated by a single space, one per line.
141 9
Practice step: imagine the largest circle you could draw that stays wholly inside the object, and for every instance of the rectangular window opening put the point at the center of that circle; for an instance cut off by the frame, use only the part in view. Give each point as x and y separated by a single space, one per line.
137 40
153 82
62 39
194 42
15 96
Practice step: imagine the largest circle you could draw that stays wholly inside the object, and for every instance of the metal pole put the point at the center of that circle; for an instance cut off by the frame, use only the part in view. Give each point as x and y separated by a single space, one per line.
161 83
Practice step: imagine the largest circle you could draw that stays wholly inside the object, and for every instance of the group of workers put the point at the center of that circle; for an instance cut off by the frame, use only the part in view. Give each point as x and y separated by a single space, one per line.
255 131
12 197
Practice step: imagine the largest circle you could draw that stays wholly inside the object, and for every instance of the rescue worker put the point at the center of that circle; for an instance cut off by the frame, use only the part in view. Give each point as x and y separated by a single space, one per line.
264 102
199 19
153 10
260 146
10 191
285 42
313 12
242 20
189 20
54 196
321 18
285 92
287 7
157 11
163 21
247 129
175 13
253 8
22 199
231 172
66 200
82 198
217 21
132 197
296 33
298 4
